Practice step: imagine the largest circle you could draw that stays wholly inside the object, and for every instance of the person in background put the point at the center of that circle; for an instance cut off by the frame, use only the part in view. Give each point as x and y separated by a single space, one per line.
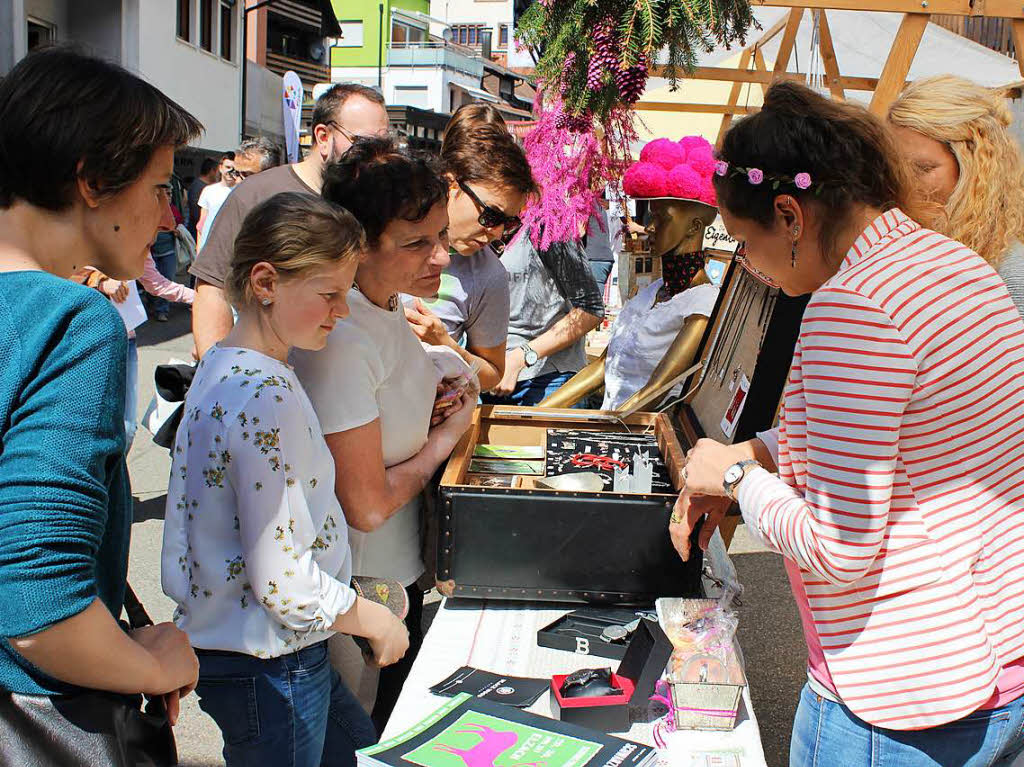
489 180
602 231
893 483
256 552
955 135
213 196
165 257
208 174
374 384
341 114
117 291
554 304
78 185
255 155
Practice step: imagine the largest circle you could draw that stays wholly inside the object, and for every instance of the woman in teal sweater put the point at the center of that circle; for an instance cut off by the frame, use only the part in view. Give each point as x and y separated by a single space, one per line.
86 154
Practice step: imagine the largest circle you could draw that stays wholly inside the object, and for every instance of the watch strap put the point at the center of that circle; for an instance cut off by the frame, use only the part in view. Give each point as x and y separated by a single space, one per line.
744 466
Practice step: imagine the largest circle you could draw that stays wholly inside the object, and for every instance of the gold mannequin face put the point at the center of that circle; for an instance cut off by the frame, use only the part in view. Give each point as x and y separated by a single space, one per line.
677 226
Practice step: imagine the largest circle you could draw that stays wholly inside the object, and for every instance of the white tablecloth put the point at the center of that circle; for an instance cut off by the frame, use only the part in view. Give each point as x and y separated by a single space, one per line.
502 637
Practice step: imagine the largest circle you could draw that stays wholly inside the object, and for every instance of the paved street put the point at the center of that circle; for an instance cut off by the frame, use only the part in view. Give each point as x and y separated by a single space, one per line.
769 626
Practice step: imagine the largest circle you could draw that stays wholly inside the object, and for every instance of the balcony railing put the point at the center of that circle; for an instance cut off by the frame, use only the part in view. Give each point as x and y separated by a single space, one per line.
295 11
308 71
435 54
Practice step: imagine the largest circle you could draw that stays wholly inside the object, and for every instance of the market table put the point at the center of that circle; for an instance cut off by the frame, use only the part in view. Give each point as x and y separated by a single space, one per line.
501 636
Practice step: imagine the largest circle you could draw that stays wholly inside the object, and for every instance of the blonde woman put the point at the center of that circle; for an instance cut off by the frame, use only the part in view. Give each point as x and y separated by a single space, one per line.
256 551
954 134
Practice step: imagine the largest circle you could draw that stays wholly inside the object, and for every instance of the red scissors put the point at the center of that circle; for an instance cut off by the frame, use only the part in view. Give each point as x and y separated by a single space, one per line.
601 462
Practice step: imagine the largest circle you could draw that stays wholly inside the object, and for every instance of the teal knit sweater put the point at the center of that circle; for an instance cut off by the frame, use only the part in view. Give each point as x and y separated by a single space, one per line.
65 503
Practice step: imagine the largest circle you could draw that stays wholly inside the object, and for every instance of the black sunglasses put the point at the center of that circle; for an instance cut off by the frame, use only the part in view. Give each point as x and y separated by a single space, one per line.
491 217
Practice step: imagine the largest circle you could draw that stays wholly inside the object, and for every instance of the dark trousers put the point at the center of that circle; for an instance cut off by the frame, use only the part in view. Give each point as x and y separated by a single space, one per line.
389 684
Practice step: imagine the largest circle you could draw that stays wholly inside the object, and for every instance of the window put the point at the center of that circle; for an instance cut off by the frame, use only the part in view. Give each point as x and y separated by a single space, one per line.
401 34
467 34
227 30
413 96
185 19
206 25
351 34
40 33
503 35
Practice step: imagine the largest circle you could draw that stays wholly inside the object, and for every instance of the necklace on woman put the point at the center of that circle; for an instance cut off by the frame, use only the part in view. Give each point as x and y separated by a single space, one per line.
392 299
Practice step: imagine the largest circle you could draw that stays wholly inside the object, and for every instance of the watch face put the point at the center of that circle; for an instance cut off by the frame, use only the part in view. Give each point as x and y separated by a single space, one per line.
733 474
614 633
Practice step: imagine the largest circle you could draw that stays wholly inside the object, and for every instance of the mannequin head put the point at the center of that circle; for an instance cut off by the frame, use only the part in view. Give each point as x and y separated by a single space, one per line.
677 226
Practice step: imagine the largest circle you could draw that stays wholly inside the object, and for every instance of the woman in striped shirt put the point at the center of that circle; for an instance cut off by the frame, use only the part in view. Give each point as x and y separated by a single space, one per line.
899 487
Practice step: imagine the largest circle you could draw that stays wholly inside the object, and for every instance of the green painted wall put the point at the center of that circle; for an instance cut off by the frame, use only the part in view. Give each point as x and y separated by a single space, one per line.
368 11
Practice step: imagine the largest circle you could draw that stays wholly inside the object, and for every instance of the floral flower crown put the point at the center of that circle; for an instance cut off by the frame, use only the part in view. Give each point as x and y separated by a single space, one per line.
756 176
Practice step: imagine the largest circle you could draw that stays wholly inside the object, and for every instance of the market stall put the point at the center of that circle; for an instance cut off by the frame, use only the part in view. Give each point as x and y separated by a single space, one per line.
501 637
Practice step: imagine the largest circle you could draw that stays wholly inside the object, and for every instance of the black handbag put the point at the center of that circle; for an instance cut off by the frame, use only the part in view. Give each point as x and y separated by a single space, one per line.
90 728
172 383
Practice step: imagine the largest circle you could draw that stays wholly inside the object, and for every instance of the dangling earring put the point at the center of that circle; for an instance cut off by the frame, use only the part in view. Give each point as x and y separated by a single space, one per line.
265 302
792 254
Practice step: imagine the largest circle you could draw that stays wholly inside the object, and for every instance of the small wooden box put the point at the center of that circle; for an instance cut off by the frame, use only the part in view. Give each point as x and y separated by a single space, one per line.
522 542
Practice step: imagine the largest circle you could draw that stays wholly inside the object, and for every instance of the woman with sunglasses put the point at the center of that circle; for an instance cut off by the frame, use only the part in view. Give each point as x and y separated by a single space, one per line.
893 484
489 180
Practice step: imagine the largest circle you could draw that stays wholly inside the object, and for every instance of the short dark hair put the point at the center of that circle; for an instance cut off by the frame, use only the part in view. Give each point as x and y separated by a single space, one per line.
848 153
207 165
65 116
478 147
227 156
326 108
380 183
269 152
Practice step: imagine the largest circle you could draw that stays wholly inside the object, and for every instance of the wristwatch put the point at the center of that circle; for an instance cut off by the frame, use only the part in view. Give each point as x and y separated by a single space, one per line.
735 474
529 355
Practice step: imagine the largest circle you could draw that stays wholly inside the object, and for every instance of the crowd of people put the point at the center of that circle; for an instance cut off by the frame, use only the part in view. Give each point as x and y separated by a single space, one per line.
335 295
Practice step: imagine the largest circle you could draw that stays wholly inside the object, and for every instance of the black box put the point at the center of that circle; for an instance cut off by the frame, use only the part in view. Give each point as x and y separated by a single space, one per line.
580 631
523 542
641 668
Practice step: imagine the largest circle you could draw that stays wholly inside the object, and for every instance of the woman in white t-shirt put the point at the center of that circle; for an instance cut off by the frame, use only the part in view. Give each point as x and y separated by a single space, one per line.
256 552
374 384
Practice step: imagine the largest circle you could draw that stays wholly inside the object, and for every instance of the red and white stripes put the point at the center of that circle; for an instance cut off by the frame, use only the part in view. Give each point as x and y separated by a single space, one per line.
900 492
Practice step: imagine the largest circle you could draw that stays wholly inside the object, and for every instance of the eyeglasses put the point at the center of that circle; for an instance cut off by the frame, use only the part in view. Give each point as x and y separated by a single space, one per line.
354 137
239 174
491 217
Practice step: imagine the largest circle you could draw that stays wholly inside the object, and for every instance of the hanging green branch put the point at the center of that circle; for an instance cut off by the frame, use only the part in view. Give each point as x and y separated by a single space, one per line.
597 53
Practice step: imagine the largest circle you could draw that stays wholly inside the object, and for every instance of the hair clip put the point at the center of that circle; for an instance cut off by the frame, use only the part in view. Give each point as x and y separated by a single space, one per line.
756 176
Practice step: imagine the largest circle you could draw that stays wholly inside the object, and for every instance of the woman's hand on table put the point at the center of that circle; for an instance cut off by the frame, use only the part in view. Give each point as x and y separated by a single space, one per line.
703 493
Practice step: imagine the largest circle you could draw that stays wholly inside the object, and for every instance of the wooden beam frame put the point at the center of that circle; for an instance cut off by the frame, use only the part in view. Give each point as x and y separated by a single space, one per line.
828 58
1017 30
734 96
992 8
793 20
901 56
705 109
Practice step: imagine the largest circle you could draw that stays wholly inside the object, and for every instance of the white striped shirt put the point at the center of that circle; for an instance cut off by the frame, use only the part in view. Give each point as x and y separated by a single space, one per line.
901 476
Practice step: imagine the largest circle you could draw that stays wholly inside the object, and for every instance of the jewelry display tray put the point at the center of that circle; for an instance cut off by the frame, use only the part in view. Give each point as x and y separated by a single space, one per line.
580 631
549 545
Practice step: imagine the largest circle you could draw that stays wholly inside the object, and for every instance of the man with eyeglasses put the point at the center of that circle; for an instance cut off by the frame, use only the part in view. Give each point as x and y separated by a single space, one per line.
342 114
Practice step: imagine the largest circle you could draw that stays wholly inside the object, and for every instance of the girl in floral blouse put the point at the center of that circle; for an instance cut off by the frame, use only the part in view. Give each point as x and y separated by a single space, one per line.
256 550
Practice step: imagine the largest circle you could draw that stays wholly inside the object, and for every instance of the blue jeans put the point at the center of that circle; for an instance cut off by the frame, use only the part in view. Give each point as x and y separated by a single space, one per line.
167 265
601 270
827 734
532 391
131 395
291 711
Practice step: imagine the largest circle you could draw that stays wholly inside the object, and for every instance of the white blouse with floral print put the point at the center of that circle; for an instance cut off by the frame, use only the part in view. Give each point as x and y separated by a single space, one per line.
255 548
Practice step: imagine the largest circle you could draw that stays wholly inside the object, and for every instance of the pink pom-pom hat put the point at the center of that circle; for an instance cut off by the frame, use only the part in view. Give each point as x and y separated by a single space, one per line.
645 179
679 169
664 152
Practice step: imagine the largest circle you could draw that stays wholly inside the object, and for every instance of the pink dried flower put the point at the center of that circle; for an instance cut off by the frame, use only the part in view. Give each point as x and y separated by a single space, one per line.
689 143
755 176
708 194
721 168
802 180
